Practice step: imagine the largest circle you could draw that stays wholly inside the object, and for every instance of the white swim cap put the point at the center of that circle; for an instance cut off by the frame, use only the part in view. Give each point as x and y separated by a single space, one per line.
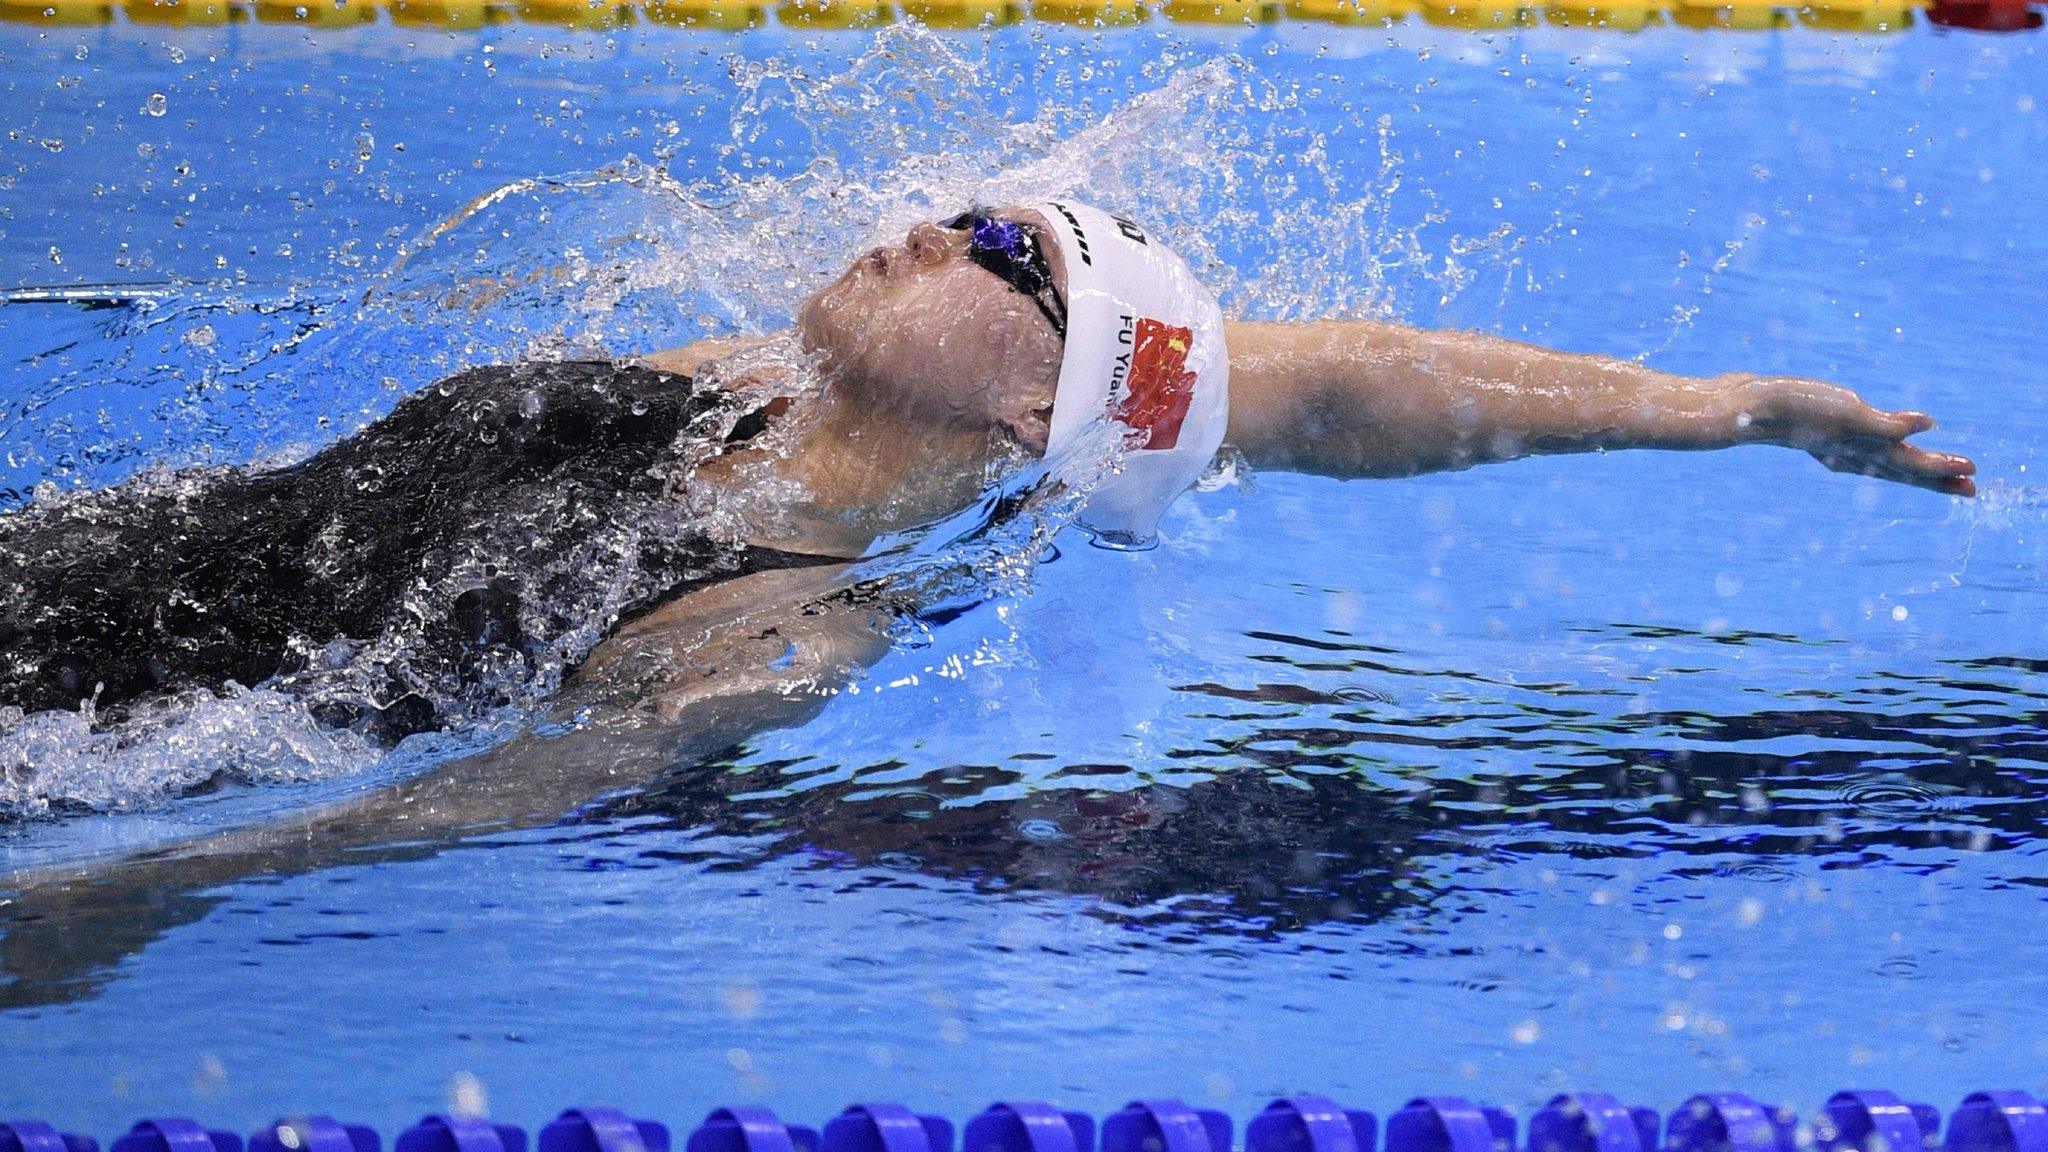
1144 349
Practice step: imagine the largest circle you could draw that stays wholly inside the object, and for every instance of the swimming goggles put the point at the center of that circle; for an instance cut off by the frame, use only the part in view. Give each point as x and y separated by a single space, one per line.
1010 250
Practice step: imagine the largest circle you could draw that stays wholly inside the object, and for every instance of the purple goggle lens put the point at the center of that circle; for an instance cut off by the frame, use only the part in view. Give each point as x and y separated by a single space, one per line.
1009 250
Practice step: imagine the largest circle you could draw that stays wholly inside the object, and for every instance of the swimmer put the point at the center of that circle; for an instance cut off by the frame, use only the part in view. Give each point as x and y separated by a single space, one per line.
540 520
479 525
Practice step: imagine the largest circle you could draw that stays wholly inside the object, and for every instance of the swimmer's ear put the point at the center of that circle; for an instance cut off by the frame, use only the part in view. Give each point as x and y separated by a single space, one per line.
1031 425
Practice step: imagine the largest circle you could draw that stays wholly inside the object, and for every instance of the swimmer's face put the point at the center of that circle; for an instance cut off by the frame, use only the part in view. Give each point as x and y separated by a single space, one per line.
919 327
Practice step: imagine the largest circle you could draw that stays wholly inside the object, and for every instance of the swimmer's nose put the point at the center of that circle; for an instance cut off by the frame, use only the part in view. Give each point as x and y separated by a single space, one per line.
929 243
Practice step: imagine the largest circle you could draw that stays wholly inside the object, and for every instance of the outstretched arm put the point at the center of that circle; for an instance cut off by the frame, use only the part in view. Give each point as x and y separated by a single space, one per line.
1360 398
696 676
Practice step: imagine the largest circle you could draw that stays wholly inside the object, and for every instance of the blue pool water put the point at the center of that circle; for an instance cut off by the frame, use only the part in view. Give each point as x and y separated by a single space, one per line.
1644 773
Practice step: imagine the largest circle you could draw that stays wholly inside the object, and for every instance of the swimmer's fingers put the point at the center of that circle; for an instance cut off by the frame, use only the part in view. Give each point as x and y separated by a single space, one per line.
1838 428
1903 463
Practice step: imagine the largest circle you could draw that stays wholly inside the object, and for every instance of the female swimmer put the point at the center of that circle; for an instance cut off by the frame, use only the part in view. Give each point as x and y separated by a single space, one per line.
508 517
478 527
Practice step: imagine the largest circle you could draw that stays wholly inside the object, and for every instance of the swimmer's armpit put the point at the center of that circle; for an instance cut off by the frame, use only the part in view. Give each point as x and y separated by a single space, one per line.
1360 399
778 642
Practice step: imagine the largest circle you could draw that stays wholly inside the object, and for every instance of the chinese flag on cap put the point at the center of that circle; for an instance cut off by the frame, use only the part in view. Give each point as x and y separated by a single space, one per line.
1161 386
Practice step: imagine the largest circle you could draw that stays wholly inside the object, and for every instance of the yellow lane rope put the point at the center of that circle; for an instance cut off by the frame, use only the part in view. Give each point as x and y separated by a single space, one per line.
1615 15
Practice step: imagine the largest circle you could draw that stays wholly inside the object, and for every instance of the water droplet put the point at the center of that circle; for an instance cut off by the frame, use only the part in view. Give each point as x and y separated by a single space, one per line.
156 104
210 1076
466 1095
741 1001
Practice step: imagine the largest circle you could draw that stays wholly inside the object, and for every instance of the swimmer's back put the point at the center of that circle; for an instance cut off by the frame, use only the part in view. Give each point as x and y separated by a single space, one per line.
506 513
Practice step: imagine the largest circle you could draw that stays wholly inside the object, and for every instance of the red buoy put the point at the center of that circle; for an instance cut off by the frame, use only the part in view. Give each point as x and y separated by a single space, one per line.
1985 15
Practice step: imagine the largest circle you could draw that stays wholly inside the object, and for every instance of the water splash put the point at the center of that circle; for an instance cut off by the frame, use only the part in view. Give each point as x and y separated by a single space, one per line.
65 761
630 257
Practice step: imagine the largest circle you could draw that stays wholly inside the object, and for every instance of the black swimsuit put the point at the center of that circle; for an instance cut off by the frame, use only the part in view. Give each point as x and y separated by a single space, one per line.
506 514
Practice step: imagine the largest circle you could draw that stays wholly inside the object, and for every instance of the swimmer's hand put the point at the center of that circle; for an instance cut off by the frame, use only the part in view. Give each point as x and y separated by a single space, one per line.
1838 428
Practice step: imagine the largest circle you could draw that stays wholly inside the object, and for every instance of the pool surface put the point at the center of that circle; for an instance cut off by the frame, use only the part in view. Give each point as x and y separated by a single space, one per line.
1645 773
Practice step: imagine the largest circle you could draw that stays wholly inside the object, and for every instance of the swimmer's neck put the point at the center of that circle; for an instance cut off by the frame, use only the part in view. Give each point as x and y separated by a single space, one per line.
864 471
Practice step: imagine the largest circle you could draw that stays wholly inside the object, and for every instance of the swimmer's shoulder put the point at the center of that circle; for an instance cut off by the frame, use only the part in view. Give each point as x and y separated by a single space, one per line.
532 414
530 390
